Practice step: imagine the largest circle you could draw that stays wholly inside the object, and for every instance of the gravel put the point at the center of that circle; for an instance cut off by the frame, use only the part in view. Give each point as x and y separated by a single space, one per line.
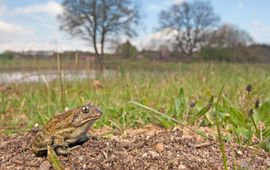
163 149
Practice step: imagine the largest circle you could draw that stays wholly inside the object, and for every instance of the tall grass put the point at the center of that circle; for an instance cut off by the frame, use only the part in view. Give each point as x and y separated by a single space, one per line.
60 72
185 92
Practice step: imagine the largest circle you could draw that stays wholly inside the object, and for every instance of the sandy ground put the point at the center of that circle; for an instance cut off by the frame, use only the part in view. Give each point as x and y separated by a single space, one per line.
136 149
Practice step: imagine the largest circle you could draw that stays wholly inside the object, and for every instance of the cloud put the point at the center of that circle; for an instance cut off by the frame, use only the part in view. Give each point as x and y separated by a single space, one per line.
44 45
50 8
39 30
24 40
11 33
260 31
10 28
179 1
154 40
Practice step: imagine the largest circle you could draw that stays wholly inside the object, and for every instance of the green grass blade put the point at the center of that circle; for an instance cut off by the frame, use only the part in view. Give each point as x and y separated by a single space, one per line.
177 121
203 111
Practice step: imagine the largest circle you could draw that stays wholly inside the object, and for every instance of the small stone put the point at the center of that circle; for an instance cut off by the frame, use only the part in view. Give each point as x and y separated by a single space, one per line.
97 84
67 168
243 164
45 165
239 152
159 147
80 158
267 162
153 154
3 144
144 155
170 155
182 167
84 166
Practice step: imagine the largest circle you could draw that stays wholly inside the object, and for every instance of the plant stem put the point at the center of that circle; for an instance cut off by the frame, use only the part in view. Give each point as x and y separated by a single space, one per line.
222 149
254 124
224 157
59 67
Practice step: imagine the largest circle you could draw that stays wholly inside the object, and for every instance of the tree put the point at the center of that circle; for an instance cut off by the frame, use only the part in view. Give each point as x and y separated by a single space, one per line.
6 55
229 36
96 21
127 50
229 42
189 21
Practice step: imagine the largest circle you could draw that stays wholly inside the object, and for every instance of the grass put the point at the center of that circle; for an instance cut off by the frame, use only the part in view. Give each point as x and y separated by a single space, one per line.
188 93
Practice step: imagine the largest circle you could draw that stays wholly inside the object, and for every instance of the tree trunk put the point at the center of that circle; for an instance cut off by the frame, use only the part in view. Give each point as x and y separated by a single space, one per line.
99 59
99 67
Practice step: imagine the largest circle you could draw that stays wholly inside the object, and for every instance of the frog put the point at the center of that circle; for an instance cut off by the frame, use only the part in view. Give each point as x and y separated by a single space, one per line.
66 130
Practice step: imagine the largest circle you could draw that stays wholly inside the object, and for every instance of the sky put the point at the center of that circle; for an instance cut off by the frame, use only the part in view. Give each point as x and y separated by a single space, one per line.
32 24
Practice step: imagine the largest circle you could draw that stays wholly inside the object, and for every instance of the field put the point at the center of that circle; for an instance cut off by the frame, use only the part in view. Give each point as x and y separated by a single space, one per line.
232 100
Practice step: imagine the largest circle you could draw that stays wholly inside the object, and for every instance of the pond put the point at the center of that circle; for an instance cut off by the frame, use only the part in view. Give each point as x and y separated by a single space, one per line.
48 75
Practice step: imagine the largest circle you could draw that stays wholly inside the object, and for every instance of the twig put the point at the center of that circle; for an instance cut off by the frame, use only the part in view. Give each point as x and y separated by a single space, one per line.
201 145
104 154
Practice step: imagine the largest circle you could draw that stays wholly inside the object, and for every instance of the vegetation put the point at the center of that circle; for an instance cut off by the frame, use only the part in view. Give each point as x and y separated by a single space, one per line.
186 92
6 56
127 50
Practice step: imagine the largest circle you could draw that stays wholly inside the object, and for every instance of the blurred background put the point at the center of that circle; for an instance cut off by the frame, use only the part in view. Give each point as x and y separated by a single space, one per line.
171 30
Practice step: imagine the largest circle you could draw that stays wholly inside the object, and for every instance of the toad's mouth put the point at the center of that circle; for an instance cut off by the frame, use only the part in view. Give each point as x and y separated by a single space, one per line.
85 121
92 119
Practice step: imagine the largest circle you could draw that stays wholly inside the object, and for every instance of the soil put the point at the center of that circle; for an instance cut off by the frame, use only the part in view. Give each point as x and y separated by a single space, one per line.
136 149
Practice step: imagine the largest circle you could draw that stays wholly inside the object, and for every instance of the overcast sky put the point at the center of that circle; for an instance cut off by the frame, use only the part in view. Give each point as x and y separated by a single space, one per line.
32 24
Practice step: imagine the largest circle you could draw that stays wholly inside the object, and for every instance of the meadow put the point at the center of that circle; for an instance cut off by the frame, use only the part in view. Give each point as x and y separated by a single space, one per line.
231 97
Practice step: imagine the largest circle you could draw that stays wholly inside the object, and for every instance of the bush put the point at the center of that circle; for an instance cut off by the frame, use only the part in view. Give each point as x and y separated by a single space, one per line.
6 56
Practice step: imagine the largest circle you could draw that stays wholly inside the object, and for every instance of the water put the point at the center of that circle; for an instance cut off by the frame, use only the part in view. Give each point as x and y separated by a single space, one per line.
49 75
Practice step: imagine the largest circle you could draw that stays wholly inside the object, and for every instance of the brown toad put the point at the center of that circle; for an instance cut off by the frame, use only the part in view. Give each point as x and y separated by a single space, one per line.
66 130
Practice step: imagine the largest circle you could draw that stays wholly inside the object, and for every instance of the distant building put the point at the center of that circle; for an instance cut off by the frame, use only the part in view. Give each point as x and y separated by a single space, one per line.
164 52
39 53
44 53
90 58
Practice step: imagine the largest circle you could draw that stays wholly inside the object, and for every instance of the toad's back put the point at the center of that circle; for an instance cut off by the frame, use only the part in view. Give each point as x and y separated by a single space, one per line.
59 122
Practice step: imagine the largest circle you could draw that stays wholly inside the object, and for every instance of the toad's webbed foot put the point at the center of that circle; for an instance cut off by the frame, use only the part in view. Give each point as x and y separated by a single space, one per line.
62 151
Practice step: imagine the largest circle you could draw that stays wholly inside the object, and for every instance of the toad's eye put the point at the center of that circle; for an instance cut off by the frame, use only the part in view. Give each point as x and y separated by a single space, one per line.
85 109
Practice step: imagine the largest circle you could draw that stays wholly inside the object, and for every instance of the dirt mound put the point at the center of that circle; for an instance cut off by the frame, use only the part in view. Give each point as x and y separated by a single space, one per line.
167 149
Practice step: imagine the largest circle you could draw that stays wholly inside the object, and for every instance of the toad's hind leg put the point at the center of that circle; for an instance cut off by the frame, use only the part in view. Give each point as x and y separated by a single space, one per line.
61 148
40 143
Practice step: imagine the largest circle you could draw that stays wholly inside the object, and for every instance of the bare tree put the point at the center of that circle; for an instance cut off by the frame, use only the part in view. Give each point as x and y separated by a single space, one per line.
229 42
229 36
96 21
189 21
